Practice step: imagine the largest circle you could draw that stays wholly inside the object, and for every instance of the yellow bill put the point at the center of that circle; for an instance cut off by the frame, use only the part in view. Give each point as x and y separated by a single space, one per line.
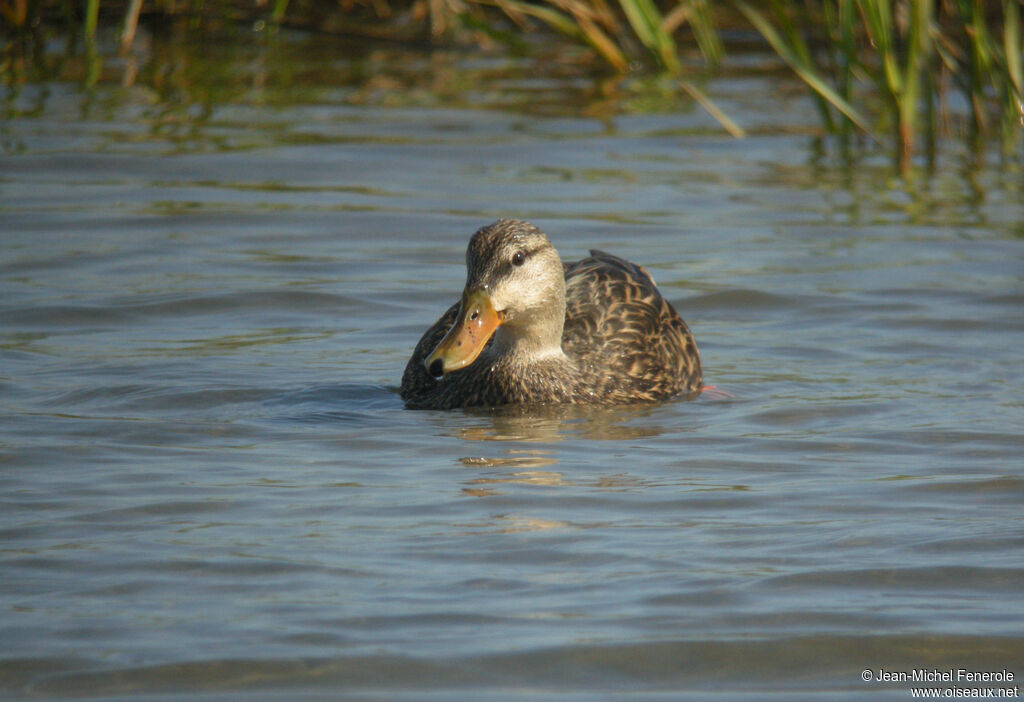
476 322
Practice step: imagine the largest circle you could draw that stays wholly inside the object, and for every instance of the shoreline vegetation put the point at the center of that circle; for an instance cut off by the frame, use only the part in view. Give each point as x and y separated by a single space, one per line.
887 70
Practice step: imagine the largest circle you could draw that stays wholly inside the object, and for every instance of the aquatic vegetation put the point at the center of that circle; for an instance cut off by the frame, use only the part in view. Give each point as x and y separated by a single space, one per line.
909 53
902 72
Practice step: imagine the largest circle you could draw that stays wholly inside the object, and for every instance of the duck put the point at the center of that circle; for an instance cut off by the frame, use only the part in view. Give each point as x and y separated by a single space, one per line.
532 330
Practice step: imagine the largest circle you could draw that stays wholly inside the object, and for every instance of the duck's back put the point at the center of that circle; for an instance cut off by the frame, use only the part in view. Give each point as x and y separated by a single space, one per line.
627 341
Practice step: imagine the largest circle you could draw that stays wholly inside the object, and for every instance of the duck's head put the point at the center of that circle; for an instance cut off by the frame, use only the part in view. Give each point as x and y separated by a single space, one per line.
515 288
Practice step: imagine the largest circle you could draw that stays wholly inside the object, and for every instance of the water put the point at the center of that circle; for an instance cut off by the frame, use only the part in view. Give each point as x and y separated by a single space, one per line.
210 488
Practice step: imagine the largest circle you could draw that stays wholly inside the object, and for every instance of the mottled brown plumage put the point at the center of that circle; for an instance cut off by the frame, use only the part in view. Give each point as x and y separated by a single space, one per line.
593 332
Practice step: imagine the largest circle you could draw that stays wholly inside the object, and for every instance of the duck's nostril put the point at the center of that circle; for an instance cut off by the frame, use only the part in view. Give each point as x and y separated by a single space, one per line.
436 368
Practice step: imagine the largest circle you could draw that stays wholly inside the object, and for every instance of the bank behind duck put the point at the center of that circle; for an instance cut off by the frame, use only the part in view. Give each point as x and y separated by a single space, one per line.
533 330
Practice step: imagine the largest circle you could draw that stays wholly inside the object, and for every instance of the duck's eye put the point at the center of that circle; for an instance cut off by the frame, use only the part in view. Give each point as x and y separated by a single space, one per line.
517 258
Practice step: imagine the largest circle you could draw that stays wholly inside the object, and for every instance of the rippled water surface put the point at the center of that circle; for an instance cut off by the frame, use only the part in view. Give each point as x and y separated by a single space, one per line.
210 488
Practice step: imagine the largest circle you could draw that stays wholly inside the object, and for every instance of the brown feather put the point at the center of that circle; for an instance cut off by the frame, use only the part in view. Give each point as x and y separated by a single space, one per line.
623 342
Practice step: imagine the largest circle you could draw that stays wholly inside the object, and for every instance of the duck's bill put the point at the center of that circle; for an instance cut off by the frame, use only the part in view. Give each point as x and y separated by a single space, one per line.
475 324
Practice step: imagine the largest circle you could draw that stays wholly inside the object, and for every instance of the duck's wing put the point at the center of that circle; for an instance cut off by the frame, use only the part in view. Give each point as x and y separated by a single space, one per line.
626 339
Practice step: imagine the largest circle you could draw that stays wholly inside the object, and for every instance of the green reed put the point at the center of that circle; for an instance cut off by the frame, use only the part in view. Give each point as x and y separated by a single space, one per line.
904 53
874 67
612 32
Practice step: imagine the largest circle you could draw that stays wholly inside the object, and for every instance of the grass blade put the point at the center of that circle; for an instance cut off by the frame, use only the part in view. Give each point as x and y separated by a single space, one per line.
649 27
805 70
92 13
1014 49
713 109
131 24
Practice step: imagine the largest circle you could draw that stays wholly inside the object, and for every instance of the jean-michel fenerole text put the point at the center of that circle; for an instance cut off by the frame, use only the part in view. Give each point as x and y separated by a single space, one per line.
961 675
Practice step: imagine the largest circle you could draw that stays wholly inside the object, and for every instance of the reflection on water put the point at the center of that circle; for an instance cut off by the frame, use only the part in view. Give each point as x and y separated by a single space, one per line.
211 281
531 459
554 423
512 524
182 90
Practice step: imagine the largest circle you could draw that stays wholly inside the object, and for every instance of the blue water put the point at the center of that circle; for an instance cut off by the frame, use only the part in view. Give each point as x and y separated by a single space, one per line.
210 488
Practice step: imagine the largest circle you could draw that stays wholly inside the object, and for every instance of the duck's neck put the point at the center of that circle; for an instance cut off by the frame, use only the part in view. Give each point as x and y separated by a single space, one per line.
528 342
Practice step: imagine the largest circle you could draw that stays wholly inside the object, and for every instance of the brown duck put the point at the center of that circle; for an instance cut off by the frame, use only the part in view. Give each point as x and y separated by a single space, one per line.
532 330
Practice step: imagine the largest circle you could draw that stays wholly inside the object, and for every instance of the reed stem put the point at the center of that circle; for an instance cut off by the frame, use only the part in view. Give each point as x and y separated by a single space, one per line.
92 13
